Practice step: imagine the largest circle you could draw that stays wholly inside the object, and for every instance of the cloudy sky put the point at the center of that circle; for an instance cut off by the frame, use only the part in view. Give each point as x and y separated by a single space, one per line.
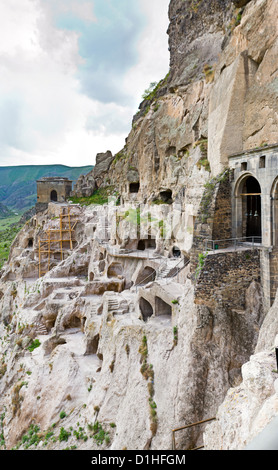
72 73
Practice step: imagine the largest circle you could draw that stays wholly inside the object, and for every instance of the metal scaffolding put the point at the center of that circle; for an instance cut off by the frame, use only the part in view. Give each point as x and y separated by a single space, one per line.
58 242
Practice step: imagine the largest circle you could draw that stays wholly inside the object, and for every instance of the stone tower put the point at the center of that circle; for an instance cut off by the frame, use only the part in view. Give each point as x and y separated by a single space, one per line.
52 189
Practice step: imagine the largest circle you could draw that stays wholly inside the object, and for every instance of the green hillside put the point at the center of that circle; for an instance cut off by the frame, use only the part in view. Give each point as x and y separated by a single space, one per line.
18 188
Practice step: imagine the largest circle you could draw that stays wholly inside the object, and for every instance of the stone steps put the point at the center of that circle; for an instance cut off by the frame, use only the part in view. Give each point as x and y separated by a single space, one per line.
41 329
168 270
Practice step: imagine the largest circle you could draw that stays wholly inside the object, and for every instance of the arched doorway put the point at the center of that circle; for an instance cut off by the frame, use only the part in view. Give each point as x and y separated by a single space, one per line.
252 207
249 209
53 196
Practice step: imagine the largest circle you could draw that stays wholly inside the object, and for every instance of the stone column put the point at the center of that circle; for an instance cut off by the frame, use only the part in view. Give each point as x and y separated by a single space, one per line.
266 220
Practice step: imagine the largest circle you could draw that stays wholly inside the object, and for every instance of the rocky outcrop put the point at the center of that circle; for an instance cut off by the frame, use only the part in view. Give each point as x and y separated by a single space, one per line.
87 184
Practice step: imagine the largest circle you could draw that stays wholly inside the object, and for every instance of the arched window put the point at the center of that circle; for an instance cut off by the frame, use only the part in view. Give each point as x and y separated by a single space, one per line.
53 196
134 187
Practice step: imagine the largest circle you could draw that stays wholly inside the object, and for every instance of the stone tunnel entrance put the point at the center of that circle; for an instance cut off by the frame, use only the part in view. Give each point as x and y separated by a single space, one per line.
145 308
162 308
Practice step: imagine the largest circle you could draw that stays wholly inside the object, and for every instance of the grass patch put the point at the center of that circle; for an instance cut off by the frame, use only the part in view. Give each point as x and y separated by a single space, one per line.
99 197
99 434
35 344
7 236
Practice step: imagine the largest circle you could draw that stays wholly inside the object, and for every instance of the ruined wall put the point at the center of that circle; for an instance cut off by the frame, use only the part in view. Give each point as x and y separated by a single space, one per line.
225 278
214 221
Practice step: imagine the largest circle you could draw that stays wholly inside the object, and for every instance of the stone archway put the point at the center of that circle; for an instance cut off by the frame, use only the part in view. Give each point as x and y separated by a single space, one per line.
248 208
145 276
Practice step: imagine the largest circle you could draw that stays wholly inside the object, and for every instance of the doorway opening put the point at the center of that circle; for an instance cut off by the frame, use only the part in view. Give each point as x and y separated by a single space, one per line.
53 196
162 308
251 209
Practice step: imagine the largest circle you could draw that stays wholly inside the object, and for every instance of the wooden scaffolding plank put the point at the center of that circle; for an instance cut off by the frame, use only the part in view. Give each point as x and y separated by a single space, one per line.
69 228
48 250
49 246
39 258
61 243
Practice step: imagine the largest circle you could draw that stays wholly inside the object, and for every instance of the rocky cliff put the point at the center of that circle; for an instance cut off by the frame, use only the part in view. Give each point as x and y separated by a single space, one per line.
110 347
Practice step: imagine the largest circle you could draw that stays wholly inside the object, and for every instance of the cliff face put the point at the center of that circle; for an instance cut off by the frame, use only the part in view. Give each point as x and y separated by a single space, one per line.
111 344
219 98
196 35
90 342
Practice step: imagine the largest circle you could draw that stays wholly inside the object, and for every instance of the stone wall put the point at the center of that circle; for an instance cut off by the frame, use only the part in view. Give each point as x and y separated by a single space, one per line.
225 278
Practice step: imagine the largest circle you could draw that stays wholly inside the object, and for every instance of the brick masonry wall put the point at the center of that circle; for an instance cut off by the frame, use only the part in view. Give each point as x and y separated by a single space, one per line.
225 277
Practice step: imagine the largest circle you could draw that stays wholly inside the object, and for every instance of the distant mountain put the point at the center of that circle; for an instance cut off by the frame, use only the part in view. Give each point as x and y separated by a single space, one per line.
18 188
5 212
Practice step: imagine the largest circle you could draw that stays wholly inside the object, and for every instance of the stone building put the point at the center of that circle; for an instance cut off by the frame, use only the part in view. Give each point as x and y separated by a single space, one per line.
239 211
254 194
52 189
254 181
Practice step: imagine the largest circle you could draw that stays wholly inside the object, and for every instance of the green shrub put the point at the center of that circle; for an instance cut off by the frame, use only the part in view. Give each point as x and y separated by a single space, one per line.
64 435
35 344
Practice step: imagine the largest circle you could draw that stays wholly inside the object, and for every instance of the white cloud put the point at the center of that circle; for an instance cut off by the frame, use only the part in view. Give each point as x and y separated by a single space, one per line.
153 63
44 118
81 9
18 27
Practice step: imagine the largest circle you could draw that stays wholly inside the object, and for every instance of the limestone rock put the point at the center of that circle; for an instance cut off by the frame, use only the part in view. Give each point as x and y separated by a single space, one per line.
87 184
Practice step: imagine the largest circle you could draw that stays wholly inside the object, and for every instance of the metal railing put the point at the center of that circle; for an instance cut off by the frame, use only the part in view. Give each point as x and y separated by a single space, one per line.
177 270
186 427
235 243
